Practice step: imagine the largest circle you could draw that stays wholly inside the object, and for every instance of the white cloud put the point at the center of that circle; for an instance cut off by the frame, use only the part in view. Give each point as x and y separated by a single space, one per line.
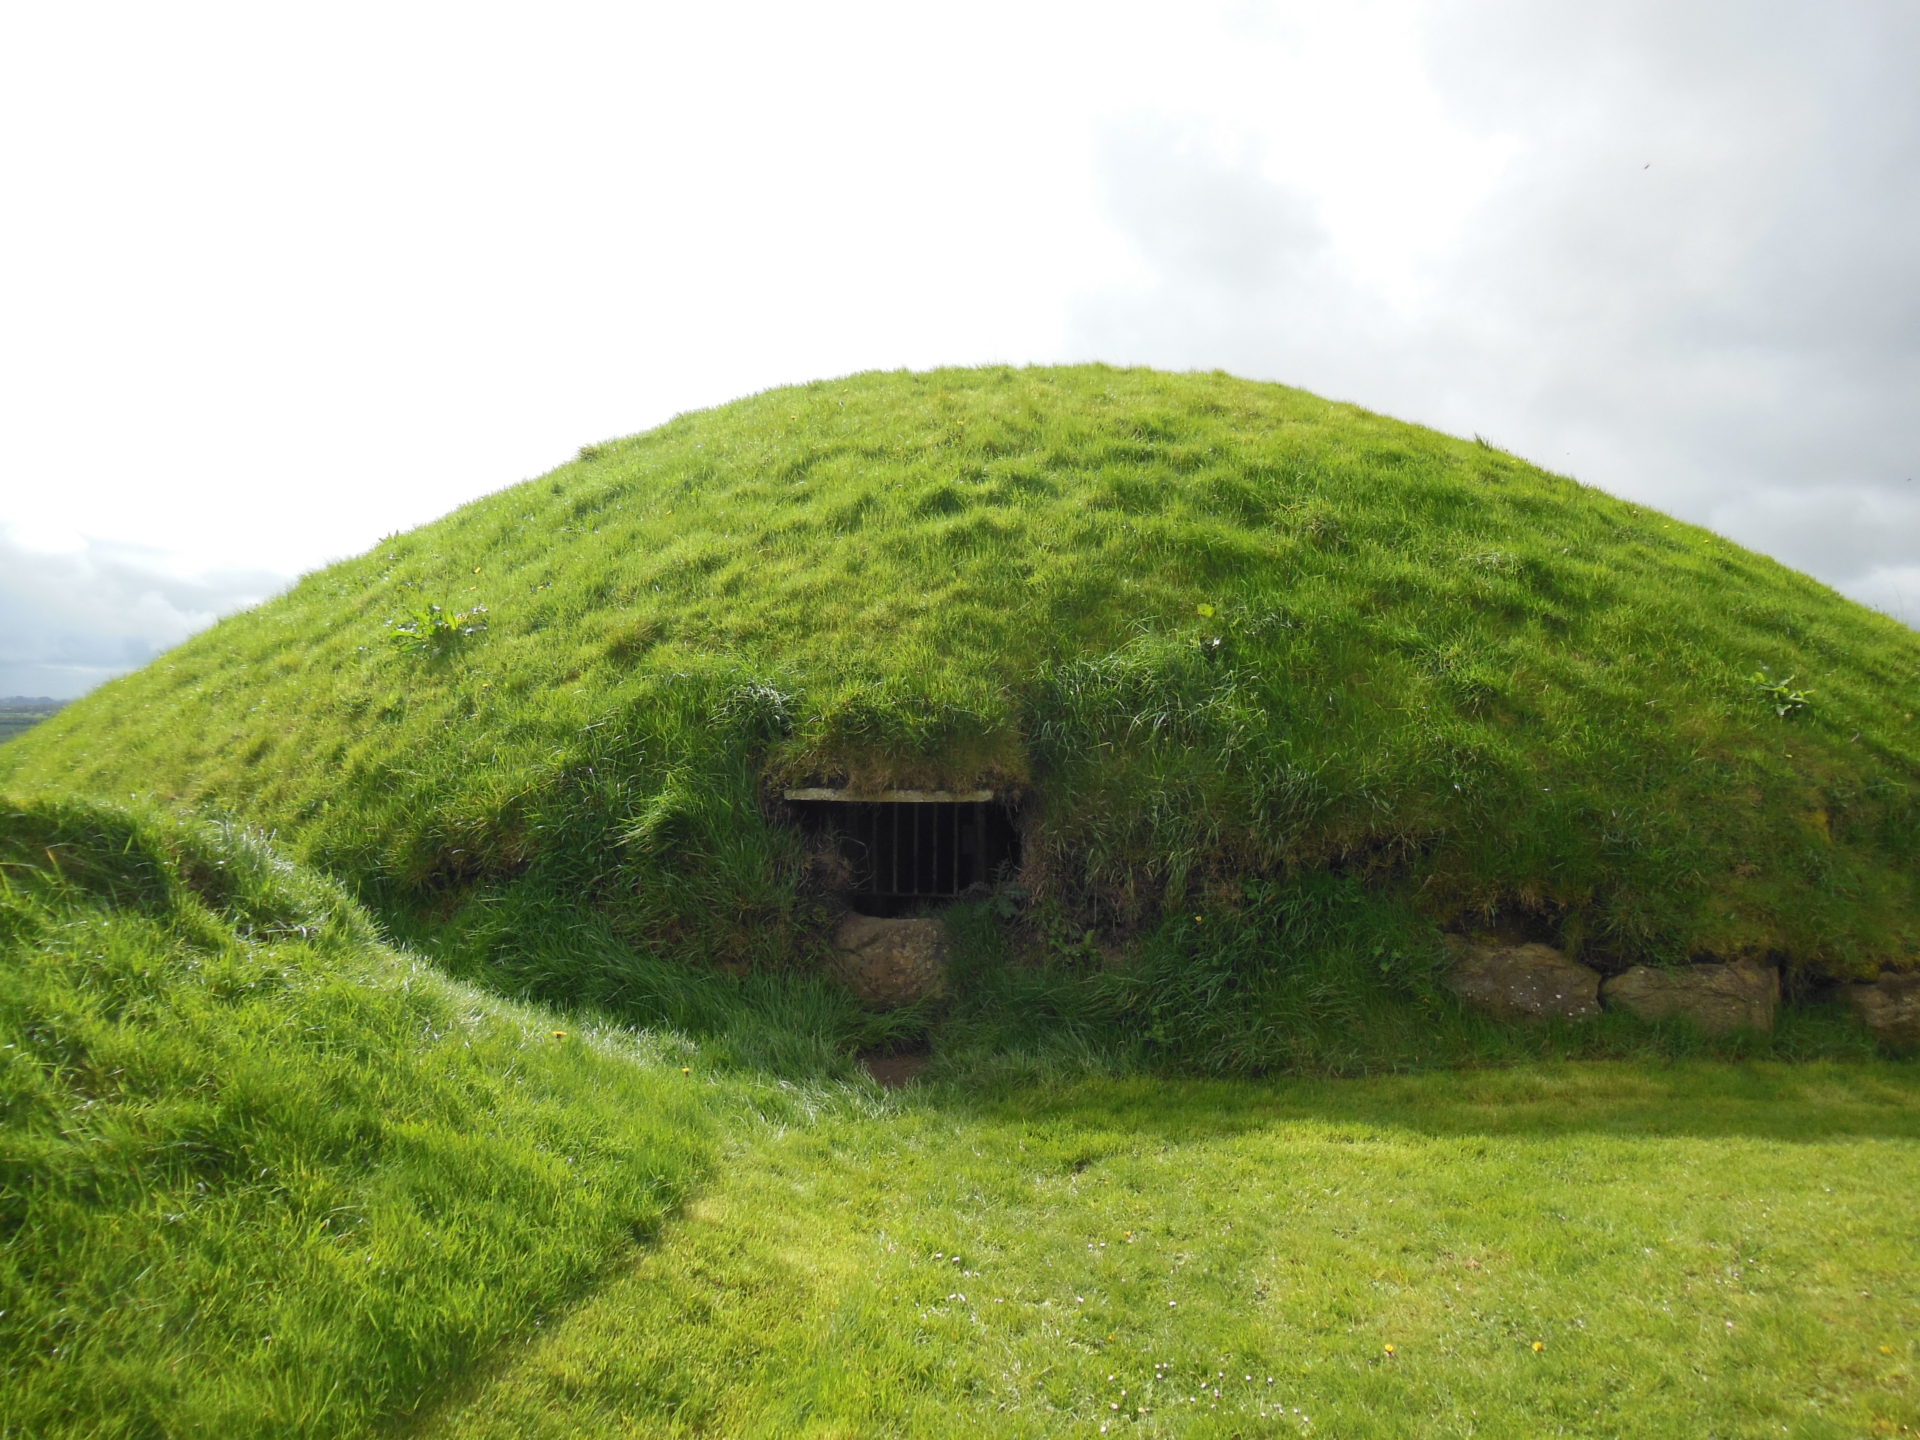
73 617
283 280
1687 273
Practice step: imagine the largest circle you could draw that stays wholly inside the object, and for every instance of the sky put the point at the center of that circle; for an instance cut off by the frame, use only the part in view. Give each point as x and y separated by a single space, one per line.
279 280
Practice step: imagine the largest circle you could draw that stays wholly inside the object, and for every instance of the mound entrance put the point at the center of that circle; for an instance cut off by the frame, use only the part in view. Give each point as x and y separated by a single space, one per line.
900 850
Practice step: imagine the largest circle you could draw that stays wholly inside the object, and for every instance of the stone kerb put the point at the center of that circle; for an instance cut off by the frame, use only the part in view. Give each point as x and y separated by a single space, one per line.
1717 998
1536 982
1523 982
1890 1009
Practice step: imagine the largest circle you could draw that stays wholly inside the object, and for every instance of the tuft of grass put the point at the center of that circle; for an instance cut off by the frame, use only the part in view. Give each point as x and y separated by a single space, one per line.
261 1174
1216 634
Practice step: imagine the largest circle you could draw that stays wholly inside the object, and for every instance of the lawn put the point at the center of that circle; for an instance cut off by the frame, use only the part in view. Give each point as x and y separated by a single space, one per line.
1624 1249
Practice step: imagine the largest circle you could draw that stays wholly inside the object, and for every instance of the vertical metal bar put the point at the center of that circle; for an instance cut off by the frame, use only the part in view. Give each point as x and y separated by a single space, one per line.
924 882
894 873
955 842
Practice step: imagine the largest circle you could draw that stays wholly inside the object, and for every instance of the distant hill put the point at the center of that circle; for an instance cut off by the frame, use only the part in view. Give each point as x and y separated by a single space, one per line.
19 713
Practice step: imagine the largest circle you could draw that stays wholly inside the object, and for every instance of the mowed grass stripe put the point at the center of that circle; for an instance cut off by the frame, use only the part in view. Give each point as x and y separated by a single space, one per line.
1584 1250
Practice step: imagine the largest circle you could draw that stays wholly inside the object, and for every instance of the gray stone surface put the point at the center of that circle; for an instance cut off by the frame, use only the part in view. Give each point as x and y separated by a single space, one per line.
1717 998
1890 1008
1523 982
889 963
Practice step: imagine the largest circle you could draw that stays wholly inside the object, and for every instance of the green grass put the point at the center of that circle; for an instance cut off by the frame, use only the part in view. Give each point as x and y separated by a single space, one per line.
1214 631
1696 1250
1315 977
261 1175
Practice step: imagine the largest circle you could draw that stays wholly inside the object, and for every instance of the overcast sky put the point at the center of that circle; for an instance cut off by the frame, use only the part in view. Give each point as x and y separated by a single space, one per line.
277 280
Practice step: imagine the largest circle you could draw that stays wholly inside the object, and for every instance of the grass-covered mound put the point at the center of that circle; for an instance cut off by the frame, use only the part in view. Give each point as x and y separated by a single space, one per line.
261 1175
1216 633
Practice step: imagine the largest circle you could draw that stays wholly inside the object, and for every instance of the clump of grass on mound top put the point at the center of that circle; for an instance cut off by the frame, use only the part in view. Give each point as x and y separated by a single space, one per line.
261 1175
1211 630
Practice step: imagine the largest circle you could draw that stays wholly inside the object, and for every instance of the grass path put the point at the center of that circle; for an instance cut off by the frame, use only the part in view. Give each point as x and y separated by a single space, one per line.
1584 1250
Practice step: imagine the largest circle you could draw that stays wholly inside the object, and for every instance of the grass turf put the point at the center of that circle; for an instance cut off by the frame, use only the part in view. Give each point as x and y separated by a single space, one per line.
261 1175
1212 630
1623 1250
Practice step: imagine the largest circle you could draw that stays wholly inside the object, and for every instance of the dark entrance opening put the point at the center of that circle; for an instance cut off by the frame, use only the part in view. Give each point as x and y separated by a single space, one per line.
901 849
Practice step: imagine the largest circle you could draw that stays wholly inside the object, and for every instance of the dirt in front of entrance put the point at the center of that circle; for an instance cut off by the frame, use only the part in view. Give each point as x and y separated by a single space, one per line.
896 1072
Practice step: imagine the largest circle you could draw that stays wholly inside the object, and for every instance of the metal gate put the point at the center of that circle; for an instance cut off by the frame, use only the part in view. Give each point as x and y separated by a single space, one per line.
913 844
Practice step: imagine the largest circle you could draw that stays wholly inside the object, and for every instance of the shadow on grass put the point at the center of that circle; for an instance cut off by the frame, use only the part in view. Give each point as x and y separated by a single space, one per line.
1804 1103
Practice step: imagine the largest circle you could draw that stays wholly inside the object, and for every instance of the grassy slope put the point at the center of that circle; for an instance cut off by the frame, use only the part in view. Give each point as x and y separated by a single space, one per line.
1219 627
1696 1250
261 1175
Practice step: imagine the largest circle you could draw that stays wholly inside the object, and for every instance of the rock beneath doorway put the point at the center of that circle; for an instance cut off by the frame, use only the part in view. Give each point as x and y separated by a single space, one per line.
890 963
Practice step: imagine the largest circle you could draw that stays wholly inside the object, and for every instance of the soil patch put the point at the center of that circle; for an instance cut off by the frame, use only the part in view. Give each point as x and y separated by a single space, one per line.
896 1072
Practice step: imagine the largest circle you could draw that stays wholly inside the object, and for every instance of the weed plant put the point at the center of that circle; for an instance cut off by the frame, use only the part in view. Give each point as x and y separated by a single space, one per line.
1311 977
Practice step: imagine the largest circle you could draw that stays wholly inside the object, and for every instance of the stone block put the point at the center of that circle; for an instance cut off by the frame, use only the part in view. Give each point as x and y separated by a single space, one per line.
1717 998
1890 1008
890 963
1523 982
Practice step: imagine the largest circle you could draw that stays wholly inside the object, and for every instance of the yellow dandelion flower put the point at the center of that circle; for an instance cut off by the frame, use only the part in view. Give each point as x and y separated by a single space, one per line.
1539 1345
